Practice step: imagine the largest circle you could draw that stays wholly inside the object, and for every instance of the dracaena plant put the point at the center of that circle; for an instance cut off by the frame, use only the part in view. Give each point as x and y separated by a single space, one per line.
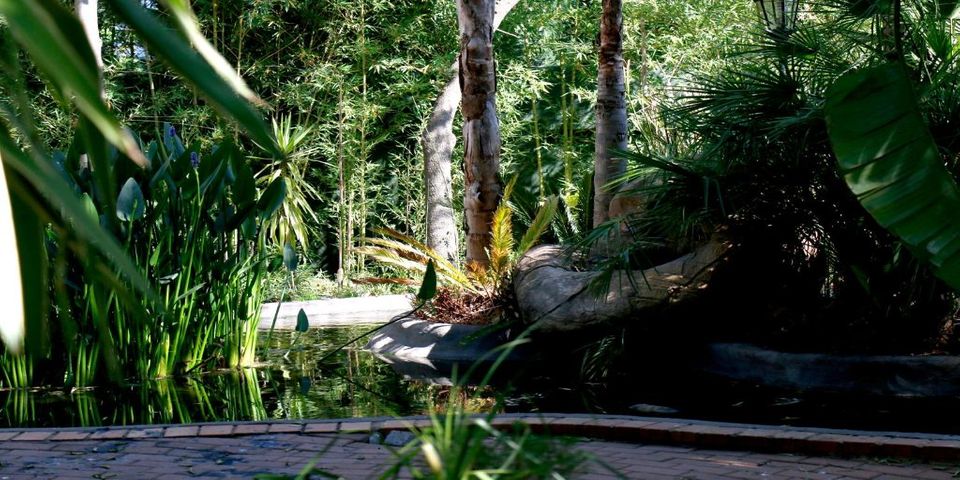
40 203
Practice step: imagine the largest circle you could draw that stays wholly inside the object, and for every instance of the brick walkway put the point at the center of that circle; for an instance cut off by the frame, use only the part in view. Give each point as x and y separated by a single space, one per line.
342 448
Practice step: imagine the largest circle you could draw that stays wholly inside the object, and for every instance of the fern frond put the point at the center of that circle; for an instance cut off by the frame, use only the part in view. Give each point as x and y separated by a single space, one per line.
439 261
501 245
399 247
390 257
508 190
539 224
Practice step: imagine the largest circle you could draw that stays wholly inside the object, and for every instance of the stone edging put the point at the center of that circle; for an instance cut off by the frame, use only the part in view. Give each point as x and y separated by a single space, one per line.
717 435
335 312
883 375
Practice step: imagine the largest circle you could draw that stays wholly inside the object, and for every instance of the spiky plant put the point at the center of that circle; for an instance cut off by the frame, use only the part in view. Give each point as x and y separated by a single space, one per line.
292 223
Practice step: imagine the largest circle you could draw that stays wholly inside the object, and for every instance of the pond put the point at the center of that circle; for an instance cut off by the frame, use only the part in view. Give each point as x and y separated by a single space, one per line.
291 383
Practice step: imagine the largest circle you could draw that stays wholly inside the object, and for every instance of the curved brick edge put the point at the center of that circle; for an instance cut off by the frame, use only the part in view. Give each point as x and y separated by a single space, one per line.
697 433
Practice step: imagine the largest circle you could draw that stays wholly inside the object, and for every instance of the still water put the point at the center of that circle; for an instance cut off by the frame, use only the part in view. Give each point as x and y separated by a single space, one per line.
291 382
288 384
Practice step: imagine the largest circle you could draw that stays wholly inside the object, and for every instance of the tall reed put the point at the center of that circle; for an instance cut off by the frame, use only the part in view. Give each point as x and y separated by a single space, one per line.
193 225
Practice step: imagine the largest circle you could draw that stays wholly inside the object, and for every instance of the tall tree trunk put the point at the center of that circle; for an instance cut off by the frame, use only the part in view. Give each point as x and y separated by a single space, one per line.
481 129
87 13
611 109
438 142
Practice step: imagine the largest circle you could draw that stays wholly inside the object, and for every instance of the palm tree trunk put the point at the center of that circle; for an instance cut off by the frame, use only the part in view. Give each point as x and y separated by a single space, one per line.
438 142
611 109
481 129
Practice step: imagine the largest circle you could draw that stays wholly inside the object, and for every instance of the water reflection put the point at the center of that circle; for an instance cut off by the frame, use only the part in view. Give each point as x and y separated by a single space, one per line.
288 384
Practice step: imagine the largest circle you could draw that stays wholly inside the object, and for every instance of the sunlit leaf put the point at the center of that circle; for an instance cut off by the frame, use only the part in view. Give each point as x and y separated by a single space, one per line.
12 325
32 247
890 161
55 40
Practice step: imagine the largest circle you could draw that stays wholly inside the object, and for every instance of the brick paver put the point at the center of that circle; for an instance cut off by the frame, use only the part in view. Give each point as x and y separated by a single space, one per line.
696 450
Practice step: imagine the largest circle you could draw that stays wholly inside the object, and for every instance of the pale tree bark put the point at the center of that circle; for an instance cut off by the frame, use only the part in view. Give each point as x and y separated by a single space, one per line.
557 297
611 109
481 129
438 143
87 13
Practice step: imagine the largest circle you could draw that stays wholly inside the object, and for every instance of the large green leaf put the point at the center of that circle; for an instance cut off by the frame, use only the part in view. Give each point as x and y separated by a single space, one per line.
890 161
131 204
32 252
44 177
175 51
56 43
12 324
428 289
303 323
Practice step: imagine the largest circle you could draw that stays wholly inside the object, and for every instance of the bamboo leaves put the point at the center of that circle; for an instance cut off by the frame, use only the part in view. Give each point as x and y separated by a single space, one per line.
227 95
187 24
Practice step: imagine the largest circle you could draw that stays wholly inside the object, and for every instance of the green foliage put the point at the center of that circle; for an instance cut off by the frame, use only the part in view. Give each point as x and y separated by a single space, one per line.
428 289
360 78
191 223
748 154
461 445
409 254
297 217
309 284
890 161
108 309
406 253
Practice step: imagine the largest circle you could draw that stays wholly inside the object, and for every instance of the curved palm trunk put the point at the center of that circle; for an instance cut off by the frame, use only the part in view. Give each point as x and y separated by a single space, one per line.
481 129
611 109
438 142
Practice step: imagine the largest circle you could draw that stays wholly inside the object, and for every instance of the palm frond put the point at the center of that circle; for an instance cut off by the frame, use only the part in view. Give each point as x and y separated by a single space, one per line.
501 245
539 225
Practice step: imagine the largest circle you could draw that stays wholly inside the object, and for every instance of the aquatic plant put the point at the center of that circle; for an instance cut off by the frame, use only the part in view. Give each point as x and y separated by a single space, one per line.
192 224
71 214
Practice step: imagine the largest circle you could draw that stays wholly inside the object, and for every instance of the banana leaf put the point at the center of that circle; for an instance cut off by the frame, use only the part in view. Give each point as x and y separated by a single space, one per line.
889 159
